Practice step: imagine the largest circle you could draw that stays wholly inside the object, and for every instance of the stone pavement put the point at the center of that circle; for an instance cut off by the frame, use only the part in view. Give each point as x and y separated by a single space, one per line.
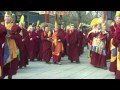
83 70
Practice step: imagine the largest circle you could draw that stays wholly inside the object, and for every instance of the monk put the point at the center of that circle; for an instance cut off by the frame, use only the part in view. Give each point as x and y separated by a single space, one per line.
116 43
2 40
11 62
31 47
24 43
98 44
73 44
113 59
57 45
37 40
80 34
47 44
40 54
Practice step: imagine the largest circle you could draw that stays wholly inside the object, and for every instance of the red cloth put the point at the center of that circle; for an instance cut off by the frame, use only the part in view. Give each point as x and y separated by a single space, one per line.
46 47
73 48
39 57
81 43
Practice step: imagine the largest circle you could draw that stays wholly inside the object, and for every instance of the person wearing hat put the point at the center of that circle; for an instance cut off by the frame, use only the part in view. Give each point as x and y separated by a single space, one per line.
37 39
24 43
116 44
91 35
72 39
57 44
11 60
98 50
81 36
3 33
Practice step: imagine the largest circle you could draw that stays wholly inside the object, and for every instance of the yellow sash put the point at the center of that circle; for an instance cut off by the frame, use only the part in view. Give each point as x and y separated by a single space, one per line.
0 71
113 58
11 44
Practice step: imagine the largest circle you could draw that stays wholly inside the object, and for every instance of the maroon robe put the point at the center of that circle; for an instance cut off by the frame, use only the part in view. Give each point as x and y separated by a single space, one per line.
73 48
80 35
31 46
12 67
98 60
46 47
116 43
2 40
39 57
113 65
24 51
37 42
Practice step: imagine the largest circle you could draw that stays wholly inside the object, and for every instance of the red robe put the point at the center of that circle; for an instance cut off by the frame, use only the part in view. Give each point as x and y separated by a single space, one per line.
113 65
39 57
73 48
98 60
31 46
46 45
37 42
2 40
116 43
24 51
80 34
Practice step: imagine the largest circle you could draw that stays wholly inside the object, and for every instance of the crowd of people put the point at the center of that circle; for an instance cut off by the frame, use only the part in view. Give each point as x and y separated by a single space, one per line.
19 45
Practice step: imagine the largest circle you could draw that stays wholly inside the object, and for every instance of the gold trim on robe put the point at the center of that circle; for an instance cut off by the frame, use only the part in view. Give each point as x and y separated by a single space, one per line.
113 58
118 61
11 44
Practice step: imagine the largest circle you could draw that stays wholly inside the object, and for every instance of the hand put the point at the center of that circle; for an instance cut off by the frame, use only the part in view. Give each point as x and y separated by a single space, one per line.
48 39
112 52
23 40
78 45
8 36
31 39
67 44
59 39
37 36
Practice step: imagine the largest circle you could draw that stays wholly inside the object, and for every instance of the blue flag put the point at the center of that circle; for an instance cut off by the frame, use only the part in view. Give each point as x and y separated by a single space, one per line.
115 52
6 52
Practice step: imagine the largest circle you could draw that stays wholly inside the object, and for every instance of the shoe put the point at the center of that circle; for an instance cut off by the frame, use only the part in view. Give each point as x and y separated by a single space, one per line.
105 68
78 61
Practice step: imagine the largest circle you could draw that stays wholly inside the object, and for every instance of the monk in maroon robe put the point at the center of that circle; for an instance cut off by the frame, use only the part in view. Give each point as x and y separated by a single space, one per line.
39 57
46 45
31 46
116 43
113 65
2 40
73 45
18 40
80 34
37 41
24 44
